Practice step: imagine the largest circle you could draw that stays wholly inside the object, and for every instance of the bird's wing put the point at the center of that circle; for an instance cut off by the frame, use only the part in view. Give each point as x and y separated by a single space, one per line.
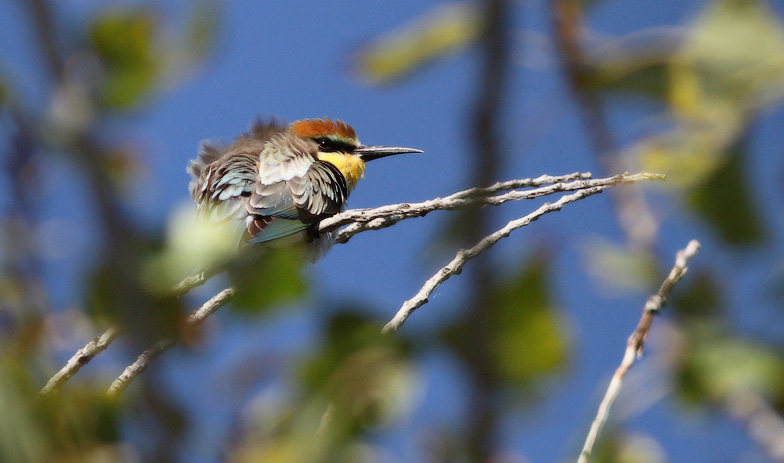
223 186
294 190
272 188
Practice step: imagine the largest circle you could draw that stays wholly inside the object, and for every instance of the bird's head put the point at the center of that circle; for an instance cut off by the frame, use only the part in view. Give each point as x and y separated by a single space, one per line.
338 144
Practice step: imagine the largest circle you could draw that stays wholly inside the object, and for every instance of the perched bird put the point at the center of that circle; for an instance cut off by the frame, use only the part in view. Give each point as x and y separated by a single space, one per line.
279 181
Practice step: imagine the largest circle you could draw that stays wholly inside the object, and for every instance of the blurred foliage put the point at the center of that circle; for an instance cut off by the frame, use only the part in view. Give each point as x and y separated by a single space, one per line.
193 243
126 43
618 267
727 66
365 375
628 448
267 277
636 74
699 297
117 297
725 201
202 28
354 382
79 425
712 81
716 365
137 57
447 29
529 339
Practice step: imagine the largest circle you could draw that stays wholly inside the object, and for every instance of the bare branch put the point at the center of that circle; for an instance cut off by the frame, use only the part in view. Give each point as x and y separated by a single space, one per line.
79 359
356 215
464 255
359 220
635 343
386 216
455 267
188 283
195 319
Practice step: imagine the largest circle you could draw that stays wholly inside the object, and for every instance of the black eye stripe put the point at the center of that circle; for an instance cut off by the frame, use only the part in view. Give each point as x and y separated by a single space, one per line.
330 145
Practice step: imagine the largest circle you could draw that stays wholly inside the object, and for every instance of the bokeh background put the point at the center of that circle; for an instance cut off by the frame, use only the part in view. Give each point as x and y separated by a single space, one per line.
103 104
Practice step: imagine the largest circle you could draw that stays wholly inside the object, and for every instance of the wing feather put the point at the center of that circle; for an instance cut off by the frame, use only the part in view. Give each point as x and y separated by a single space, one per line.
276 186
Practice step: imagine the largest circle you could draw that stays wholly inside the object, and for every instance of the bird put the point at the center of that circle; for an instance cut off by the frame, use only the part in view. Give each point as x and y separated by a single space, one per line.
276 182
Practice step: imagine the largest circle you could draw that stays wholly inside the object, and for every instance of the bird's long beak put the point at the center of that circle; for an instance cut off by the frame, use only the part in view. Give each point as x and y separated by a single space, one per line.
369 153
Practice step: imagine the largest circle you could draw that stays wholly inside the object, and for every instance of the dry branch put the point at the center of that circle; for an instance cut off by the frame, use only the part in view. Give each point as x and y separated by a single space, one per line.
358 220
635 343
195 319
79 359
464 255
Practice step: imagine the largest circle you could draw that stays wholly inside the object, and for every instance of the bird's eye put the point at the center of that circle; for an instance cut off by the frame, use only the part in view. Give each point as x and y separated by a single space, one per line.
326 144
332 145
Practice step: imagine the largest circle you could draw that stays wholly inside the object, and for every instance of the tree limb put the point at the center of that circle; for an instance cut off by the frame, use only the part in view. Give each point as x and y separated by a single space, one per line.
79 359
464 255
386 216
356 221
195 319
635 343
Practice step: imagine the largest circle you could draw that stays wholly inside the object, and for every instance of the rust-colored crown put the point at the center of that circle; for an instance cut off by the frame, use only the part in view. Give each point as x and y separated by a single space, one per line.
314 128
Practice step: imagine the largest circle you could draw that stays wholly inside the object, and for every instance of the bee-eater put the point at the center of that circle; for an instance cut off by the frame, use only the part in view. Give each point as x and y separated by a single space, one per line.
279 181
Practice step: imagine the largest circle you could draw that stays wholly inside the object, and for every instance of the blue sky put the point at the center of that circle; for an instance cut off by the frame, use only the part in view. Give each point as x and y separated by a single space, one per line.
293 60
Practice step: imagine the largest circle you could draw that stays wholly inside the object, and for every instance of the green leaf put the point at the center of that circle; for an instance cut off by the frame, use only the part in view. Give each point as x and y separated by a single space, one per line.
445 30
23 432
364 374
528 338
622 447
717 365
73 425
699 297
126 43
637 74
268 276
725 202
118 296
620 267
736 45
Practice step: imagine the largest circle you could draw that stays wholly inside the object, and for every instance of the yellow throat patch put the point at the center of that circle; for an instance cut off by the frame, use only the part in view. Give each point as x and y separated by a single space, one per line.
350 166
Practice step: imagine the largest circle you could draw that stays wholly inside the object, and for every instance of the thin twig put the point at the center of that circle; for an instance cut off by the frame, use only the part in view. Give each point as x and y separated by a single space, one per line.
196 318
455 200
635 343
198 279
476 194
455 267
83 356
79 359
386 216
588 188
370 219
464 255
